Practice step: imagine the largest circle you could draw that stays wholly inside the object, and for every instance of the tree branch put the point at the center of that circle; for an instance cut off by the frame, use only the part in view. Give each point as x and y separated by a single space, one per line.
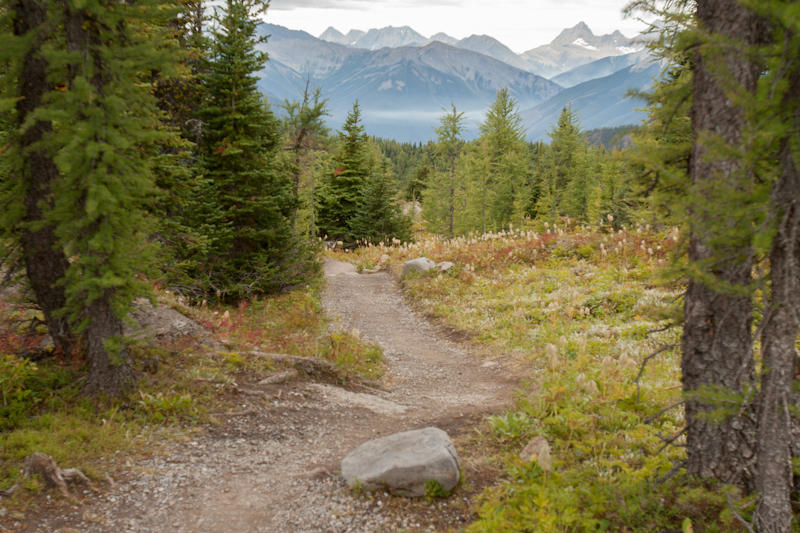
644 364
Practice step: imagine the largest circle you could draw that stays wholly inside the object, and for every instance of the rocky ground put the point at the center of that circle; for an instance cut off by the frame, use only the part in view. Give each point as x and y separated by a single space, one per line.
273 465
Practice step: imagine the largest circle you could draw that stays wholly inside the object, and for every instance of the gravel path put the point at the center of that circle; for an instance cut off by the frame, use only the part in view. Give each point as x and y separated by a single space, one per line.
274 468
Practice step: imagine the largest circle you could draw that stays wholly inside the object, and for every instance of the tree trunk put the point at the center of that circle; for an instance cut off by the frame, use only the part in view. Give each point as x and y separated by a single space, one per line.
775 474
109 370
45 261
452 203
716 343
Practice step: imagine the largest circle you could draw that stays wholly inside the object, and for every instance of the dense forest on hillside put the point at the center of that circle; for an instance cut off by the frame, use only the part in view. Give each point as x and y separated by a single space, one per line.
138 158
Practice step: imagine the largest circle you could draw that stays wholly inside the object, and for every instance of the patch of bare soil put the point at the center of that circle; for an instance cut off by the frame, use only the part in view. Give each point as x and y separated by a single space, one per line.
273 464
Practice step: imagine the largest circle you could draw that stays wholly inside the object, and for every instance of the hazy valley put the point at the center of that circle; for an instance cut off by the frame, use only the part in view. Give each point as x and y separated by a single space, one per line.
402 80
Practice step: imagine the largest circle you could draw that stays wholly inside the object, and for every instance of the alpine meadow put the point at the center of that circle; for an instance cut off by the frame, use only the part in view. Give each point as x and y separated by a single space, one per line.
258 280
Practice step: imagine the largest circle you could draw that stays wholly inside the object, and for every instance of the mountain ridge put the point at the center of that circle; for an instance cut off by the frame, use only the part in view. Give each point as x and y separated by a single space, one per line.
402 90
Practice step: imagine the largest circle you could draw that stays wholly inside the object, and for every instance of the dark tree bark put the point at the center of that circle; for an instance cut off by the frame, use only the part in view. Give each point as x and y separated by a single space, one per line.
775 474
45 262
716 344
109 372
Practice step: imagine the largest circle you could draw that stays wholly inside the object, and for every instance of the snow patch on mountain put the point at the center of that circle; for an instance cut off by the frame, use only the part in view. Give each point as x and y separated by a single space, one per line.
583 44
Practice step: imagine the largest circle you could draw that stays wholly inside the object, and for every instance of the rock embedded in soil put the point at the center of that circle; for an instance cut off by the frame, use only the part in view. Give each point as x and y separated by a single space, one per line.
444 266
538 451
404 463
420 264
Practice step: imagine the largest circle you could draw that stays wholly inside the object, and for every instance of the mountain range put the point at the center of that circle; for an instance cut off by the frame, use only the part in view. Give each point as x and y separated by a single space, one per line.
403 80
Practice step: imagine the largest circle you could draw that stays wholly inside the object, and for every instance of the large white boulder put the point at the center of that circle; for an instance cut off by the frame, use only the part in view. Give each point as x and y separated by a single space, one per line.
404 463
420 264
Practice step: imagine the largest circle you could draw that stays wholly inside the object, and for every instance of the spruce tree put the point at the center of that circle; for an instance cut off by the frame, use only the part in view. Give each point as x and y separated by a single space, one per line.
378 215
244 206
340 192
565 177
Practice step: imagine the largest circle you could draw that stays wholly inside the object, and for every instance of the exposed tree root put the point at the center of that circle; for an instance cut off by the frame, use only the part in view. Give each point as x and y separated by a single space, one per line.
53 476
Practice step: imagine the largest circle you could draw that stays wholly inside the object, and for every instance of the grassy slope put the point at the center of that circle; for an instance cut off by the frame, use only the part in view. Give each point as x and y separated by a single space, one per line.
581 309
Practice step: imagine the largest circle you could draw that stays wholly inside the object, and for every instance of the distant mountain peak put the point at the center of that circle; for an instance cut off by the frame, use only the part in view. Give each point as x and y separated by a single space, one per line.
332 31
390 36
444 38
582 26
570 35
332 34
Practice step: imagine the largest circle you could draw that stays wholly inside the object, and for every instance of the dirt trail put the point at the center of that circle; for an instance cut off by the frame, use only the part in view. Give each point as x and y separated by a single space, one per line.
274 468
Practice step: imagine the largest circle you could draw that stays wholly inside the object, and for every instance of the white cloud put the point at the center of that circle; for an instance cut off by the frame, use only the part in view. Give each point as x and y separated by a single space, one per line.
520 24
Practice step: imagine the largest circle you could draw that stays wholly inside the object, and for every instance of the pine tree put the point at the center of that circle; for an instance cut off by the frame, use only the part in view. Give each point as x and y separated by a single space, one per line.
243 207
340 193
176 166
662 145
92 173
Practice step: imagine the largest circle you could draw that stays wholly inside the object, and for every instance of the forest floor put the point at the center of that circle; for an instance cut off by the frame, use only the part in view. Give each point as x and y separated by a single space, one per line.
272 464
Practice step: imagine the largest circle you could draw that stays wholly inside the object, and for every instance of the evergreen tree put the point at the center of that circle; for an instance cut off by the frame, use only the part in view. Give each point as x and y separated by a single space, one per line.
304 126
82 187
440 197
243 207
742 200
504 135
565 176
449 137
29 172
340 193
662 145
581 187
378 215
176 166
613 194
415 189
475 166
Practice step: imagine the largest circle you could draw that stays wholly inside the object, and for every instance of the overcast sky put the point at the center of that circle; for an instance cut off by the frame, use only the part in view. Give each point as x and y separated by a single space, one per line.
519 24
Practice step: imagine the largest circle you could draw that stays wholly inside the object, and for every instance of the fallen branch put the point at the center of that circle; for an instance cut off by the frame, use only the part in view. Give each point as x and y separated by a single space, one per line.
249 392
280 377
246 412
